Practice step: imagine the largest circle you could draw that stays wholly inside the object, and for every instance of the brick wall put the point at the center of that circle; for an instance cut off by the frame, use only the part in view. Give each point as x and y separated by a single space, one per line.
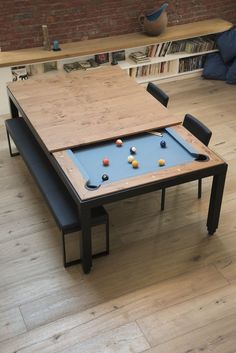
75 20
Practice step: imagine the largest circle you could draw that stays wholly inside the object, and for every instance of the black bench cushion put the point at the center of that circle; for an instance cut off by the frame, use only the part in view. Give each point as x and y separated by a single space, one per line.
61 203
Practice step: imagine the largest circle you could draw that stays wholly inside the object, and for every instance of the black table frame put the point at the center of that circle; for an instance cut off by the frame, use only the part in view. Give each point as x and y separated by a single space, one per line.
218 173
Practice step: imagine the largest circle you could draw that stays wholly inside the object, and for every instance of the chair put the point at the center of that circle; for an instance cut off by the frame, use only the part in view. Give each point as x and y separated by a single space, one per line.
157 93
202 133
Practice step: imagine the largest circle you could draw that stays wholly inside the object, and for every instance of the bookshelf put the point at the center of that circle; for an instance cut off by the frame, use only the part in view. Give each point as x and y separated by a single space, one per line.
171 65
169 59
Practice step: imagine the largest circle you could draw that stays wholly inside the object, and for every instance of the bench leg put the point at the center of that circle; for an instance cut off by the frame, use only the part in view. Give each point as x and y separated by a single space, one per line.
199 188
64 249
163 195
107 237
12 154
78 261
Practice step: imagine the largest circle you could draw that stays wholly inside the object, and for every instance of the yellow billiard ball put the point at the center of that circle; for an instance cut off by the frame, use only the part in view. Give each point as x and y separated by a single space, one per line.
135 164
161 162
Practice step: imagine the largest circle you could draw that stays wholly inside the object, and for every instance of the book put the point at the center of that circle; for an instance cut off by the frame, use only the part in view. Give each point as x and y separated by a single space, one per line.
72 66
85 64
139 57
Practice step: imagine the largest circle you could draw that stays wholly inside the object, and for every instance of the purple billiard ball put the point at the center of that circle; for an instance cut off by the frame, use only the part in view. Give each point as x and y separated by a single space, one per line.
163 144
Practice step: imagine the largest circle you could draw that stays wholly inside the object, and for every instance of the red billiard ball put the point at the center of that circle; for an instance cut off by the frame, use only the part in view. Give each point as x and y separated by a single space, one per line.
119 142
105 162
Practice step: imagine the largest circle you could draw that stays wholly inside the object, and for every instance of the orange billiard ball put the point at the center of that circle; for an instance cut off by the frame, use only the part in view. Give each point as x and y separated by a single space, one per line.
135 163
105 162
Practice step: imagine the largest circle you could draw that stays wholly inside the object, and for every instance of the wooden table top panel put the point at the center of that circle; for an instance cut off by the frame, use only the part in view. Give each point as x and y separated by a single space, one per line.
83 107
108 44
78 182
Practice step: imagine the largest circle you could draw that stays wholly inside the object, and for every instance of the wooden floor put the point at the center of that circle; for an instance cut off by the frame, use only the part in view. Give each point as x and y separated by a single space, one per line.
166 286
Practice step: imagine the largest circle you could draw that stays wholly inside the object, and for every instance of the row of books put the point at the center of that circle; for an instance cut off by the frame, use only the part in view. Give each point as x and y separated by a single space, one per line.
80 65
193 45
151 70
192 63
158 49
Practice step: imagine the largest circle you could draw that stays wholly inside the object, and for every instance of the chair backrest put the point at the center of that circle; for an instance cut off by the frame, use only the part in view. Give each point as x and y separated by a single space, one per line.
197 128
158 94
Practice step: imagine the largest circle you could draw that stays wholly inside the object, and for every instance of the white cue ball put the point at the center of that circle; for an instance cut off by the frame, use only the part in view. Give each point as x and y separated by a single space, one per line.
130 159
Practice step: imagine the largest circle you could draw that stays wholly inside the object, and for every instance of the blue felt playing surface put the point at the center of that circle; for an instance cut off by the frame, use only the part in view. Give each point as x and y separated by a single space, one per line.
89 159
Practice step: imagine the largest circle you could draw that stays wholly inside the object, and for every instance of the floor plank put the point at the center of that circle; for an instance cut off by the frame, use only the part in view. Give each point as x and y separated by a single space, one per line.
11 324
217 337
181 319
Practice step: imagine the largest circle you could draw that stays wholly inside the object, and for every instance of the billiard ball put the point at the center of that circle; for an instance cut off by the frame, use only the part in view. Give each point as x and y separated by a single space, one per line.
130 159
161 162
119 142
135 164
133 150
105 177
163 144
105 162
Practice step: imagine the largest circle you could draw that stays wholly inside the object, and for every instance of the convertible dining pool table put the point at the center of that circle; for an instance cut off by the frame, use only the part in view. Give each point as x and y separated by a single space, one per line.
77 118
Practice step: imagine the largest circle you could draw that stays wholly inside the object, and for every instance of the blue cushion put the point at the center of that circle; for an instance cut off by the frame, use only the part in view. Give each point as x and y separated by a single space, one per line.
214 67
231 74
227 45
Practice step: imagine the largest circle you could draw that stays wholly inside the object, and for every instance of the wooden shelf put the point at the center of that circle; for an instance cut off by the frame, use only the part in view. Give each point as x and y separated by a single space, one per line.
129 64
146 79
109 44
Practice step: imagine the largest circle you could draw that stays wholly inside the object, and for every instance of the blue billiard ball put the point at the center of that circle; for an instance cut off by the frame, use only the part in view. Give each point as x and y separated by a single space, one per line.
133 150
163 144
105 177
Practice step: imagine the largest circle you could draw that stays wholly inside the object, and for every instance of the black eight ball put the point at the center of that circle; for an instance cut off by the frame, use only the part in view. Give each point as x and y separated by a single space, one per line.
105 177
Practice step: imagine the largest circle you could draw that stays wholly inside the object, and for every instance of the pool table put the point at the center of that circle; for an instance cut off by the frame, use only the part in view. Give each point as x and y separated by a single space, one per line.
150 149
77 117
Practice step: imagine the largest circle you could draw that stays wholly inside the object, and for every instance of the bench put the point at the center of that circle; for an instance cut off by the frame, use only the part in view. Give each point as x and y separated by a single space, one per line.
57 196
